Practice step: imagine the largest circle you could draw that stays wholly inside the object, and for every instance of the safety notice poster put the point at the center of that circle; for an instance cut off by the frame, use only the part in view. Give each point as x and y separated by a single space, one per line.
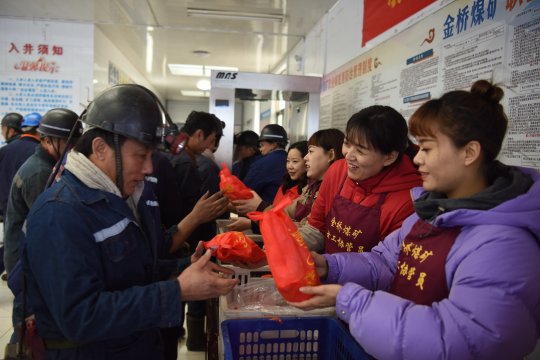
45 65
465 41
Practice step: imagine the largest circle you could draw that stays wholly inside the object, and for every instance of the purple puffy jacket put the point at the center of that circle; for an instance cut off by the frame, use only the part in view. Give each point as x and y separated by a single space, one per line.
492 272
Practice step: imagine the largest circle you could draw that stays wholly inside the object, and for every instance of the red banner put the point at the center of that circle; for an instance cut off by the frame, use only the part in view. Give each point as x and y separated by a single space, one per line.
381 15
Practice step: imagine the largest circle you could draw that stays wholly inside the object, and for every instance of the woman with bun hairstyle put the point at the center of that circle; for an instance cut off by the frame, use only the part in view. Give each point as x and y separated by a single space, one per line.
366 195
459 279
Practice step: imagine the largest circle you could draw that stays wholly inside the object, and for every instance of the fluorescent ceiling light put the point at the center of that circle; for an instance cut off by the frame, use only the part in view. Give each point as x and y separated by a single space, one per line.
204 84
196 70
234 15
185 69
194 93
149 51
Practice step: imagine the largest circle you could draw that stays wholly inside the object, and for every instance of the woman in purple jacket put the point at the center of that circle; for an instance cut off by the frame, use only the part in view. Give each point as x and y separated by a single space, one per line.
460 279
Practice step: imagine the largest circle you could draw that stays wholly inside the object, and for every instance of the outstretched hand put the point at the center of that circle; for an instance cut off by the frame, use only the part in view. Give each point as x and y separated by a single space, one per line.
323 296
204 279
199 251
245 206
209 207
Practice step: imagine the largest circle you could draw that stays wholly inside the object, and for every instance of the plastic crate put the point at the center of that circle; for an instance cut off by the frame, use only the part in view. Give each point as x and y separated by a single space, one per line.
289 338
248 276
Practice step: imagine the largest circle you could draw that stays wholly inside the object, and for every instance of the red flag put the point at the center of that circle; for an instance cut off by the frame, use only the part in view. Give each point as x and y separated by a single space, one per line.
381 15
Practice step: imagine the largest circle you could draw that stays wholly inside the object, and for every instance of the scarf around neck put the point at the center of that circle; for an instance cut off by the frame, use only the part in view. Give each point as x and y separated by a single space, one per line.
507 182
89 174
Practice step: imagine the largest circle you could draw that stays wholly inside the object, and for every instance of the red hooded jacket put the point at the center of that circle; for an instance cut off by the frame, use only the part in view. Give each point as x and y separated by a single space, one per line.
396 181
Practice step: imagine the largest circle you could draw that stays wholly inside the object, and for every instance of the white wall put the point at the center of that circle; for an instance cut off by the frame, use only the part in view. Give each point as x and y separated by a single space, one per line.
179 110
249 121
343 33
315 49
105 52
333 41
295 59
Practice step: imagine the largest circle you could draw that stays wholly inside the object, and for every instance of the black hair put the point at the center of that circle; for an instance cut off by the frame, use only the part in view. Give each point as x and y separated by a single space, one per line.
329 139
84 144
204 121
464 116
384 128
288 183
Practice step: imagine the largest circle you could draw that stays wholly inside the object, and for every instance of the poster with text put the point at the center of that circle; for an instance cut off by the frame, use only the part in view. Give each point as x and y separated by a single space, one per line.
465 41
45 65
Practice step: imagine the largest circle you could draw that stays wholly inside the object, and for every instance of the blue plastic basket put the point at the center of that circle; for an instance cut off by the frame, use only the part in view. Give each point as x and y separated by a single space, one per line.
289 338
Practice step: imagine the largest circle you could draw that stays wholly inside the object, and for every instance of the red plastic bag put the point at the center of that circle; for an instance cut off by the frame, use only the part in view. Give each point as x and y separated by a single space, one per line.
290 260
235 246
231 186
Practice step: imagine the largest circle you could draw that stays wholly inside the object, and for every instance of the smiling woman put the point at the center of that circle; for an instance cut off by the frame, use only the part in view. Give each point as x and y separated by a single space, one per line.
294 181
365 196
461 274
324 148
451 146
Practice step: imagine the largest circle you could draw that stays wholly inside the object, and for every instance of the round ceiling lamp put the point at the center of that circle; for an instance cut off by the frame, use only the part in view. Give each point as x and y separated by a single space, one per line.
204 85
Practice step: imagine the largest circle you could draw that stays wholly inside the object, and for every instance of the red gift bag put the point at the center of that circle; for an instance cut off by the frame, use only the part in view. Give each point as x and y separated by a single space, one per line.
235 246
290 260
231 186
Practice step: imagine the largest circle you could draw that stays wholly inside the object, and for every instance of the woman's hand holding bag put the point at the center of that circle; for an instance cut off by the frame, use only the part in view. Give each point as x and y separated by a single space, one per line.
290 261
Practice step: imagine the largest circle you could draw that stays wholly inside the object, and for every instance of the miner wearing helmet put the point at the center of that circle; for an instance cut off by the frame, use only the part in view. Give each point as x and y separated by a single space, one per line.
265 175
11 126
14 154
29 181
246 152
95 280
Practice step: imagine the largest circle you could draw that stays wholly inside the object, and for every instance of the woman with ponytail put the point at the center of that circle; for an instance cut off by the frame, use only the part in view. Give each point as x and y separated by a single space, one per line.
459 280
324 148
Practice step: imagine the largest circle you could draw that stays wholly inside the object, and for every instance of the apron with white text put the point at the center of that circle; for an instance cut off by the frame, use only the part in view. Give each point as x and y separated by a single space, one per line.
351 227
421 275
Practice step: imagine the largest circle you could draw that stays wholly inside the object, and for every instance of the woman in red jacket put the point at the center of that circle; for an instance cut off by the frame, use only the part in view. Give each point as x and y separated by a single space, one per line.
295 179
365 196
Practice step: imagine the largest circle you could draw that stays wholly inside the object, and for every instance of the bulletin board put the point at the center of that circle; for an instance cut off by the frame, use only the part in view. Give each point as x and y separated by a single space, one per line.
465 41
